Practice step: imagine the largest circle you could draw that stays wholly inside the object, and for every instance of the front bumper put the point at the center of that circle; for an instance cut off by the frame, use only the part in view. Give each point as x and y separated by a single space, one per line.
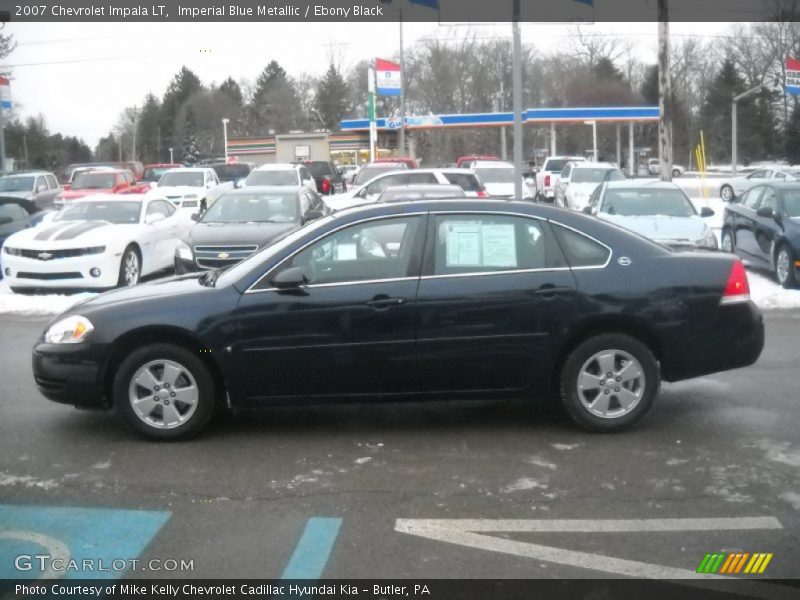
73 272
71 373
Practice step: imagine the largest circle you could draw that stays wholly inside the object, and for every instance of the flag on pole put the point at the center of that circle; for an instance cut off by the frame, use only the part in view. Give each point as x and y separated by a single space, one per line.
388 77
5 93
792 76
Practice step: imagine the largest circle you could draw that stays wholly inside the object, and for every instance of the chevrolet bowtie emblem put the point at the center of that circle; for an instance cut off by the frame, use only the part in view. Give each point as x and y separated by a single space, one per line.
223 255
45 255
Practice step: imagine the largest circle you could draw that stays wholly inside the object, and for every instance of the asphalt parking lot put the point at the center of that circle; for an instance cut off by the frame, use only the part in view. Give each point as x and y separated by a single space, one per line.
715 467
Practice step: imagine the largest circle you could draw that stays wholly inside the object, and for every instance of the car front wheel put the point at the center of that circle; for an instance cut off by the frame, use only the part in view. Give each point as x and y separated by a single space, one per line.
609 382
164 392
130 268
785 270
726 193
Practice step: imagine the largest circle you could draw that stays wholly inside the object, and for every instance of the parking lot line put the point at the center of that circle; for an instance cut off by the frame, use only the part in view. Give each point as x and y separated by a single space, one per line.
313 550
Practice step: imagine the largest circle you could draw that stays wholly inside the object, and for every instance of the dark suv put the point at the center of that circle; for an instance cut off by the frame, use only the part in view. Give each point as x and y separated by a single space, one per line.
327 177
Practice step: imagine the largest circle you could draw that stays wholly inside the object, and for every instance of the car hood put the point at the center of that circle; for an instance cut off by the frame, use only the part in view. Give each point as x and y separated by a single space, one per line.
23 194
75 194
184 284
662 228
177 190
217 234
70 234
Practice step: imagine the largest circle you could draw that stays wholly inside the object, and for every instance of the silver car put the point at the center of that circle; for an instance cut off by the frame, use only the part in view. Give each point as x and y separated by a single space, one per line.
657 210
736 186
39 187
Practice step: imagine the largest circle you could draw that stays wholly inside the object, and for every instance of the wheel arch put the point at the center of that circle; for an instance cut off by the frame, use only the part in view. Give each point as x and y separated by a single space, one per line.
137 338
625 325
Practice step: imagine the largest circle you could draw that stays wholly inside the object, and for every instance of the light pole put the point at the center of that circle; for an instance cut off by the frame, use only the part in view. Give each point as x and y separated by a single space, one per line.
735 125
594 138
171 160
225 136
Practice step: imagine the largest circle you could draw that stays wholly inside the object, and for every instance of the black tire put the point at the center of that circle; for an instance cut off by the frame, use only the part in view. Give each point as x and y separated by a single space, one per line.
676 172
726 193
122 279
726 235
646 388
787 279
153 354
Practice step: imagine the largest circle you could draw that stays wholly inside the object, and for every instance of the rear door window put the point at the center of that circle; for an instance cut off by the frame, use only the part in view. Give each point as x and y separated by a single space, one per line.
752 199
581 250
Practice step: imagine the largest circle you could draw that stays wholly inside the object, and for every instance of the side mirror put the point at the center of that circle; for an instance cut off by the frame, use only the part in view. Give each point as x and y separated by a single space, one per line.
767 213
587 210
293 277
706 212
196 216
154 218
313 215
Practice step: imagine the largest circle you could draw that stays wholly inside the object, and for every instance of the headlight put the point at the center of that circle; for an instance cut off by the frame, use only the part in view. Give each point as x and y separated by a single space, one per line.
71 330
12 251
709 240
183 251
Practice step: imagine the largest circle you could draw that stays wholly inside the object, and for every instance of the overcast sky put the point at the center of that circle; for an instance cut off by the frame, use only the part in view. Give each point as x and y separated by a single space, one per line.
80 76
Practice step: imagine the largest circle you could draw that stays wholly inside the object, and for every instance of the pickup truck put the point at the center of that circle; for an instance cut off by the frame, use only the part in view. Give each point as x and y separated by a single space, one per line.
547 179
196 188
106 181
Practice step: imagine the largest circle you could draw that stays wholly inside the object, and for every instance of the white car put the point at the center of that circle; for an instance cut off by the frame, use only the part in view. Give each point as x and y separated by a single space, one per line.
348 172
194 188
498 179
580 179
736 186
99 242
654 167
657 210
281 174
372 189
547 179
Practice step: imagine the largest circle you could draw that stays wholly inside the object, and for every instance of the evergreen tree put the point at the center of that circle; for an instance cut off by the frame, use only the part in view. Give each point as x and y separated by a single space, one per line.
274 105
182 87
331 98
149 141
190 149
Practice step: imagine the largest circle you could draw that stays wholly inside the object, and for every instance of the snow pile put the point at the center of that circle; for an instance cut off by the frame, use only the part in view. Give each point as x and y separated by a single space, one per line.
38 304
768 294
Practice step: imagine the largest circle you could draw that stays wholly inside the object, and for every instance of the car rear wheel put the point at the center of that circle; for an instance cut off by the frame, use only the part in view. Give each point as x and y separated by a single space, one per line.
609 382
726 193
676 172
727 240
164 392
130 267
785 270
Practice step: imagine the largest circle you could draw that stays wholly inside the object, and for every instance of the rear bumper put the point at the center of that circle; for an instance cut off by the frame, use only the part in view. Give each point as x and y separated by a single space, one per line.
734 339
70 374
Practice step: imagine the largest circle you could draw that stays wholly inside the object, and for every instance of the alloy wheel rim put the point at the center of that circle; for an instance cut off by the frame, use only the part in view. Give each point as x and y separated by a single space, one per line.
783 266
611 384
726 193
163 394
131 269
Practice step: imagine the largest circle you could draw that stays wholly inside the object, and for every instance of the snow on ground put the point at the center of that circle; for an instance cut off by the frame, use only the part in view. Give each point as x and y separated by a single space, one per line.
38 304
768 294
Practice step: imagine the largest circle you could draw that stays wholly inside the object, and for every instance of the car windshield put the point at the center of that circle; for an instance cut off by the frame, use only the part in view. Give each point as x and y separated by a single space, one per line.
555 166
367 173
595 175
16 184
182 178
647 202
254 208
495 175
319 168
94 181
153 174
791 203
286 177
118 212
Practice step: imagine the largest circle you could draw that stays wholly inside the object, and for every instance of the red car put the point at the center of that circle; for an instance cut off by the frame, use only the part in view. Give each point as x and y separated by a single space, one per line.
464 162
406 160
111 181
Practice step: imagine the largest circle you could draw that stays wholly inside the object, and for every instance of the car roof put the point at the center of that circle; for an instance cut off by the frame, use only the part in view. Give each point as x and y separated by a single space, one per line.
594 165
423 187
27 173
265 189
279 167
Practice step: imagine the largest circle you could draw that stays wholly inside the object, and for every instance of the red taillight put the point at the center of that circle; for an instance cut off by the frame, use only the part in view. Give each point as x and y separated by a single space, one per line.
326 185
737 289
482 194
546 180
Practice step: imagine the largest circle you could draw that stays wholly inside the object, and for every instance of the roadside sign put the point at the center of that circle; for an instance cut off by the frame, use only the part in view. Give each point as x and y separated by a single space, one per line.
388 77
5 93
792 76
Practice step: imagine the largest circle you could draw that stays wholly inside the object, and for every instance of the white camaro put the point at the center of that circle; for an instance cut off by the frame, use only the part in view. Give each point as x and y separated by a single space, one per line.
103 241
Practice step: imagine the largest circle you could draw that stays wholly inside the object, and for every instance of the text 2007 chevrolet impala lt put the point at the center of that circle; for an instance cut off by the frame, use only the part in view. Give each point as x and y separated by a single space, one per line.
428 299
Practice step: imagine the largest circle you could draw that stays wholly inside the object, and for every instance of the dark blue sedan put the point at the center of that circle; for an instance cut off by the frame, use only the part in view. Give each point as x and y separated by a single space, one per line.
16 214
763 228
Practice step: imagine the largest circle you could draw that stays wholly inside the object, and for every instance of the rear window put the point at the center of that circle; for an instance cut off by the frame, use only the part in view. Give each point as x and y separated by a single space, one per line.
319 168
466 181
555 166
231 172
287 177
581 251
